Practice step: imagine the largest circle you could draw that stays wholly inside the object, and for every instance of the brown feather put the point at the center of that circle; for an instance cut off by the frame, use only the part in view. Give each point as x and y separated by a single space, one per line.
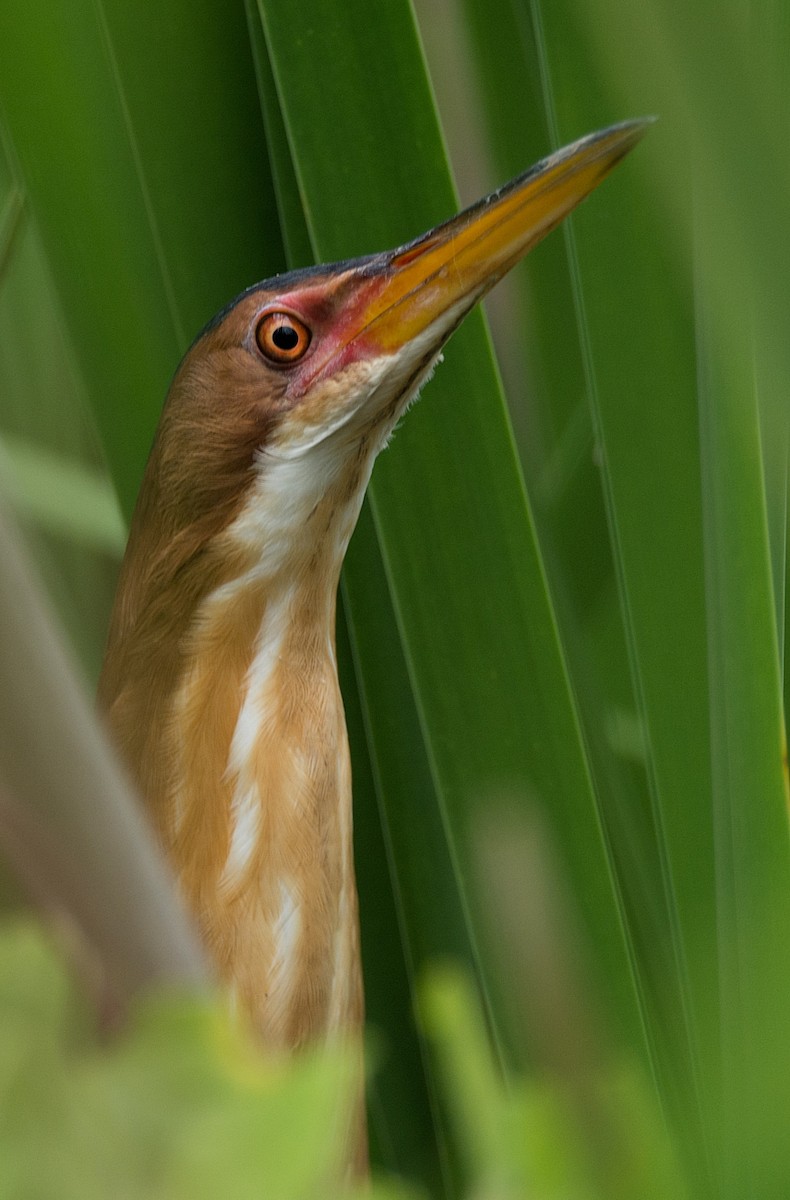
219 682
194 604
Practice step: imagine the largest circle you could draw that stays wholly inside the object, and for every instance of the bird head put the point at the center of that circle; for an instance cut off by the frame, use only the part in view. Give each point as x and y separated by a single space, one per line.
282 403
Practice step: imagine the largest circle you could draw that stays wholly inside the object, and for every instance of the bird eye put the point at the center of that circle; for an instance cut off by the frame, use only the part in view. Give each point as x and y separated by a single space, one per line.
282 338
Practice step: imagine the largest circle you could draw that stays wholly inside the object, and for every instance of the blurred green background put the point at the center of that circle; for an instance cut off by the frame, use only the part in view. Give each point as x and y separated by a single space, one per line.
563 620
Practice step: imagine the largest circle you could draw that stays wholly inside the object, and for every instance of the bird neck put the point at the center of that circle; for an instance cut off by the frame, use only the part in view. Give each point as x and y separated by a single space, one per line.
240 747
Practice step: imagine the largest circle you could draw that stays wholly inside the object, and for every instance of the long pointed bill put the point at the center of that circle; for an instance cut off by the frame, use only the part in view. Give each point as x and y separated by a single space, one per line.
451 267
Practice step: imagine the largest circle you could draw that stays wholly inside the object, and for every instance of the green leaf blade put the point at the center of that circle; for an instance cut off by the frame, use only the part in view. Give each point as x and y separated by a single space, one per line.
474 609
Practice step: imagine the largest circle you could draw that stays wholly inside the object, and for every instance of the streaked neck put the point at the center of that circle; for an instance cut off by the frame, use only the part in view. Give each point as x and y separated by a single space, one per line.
261 728
238 741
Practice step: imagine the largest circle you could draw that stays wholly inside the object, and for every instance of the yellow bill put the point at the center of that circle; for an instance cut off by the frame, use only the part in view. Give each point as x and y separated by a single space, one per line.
458 261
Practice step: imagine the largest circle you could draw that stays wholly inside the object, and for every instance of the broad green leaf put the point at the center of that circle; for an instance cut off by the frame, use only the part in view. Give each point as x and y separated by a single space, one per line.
472 611
400 892
634 296
402 918
405 1121
614 307
748 756
644 406
564 479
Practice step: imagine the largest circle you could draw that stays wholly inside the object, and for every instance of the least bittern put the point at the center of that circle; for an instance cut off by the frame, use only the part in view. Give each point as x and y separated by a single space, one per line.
220 682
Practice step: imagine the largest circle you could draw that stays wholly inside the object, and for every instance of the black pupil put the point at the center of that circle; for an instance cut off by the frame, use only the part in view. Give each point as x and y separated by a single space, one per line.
285 337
